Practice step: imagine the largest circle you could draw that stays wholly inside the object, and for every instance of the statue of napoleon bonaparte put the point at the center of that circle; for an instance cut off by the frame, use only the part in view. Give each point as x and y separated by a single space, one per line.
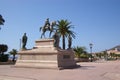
24 41
47 24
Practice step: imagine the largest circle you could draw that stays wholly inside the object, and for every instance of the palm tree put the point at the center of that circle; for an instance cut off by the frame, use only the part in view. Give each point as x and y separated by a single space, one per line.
79 50
13 52
64 29
1 20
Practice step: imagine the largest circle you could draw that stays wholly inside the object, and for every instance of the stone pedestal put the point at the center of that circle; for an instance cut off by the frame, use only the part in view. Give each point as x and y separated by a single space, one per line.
45 55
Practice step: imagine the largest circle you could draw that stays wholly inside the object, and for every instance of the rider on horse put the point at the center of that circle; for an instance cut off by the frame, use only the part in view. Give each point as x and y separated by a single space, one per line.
47 24
47 27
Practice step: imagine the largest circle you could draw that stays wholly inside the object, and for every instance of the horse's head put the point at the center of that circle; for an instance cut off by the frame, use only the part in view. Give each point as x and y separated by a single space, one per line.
53 23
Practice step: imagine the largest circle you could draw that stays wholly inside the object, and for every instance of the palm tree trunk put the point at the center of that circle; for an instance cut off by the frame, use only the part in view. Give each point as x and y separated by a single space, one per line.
63 42
13 58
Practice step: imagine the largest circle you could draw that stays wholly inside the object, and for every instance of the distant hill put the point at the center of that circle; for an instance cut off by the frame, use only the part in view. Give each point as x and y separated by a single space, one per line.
116 47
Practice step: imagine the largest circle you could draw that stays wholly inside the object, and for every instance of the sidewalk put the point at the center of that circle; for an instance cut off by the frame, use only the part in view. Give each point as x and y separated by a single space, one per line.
88 71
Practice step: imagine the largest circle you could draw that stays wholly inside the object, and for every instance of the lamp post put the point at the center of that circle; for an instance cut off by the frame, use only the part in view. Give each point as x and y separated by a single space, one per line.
106 54
91 45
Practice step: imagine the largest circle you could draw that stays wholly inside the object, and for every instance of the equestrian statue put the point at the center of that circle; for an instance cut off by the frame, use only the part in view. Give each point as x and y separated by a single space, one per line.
47 27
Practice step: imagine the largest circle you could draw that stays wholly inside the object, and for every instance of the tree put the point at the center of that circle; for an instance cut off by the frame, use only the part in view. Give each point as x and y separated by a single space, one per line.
3 57
64 29
105 54
13 52
112 55
79 50
3 48
1 20
99 55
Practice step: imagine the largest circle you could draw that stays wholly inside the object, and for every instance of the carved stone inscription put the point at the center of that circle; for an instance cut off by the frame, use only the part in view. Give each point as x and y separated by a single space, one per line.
66 56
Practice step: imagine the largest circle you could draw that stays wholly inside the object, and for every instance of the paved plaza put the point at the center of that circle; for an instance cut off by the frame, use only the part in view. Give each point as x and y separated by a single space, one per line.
105 70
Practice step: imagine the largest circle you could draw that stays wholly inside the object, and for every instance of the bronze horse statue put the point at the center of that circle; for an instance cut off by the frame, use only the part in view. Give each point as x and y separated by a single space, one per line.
47 27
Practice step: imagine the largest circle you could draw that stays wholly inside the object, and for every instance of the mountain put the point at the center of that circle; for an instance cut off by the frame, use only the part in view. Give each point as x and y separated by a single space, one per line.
116 47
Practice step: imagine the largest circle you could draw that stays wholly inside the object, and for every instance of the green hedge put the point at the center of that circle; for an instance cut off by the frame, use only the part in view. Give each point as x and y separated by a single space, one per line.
84 56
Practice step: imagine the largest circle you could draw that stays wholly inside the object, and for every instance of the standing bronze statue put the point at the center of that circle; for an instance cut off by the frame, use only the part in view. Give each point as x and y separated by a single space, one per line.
56 38
69 42
24 41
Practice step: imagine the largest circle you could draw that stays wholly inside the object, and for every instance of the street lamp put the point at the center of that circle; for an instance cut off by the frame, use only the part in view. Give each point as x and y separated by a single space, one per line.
91 45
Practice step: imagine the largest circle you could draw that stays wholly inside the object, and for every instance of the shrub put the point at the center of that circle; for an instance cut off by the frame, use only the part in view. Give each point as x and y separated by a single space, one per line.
84 56
4 58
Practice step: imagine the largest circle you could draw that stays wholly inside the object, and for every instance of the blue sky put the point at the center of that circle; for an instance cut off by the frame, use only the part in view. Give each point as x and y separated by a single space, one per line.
95 21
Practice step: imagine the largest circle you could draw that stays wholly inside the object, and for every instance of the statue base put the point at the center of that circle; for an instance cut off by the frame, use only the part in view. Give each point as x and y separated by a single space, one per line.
45 55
